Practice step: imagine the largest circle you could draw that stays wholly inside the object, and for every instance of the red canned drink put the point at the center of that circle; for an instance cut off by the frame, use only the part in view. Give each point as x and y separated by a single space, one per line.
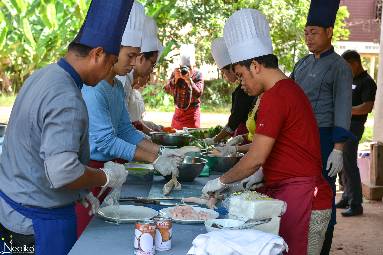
144 237
164 231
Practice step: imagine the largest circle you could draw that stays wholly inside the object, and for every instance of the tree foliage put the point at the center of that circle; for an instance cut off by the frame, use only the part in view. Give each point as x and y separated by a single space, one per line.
204 20
34 33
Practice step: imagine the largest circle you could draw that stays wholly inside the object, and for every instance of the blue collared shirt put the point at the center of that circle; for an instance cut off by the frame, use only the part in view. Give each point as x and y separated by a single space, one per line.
73 73
327 82
111 133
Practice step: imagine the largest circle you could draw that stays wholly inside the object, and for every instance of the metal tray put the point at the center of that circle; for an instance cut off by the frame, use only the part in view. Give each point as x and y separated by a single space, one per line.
128 213
213 214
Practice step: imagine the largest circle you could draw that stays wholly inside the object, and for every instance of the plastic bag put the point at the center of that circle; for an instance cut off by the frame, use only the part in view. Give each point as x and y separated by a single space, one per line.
112 200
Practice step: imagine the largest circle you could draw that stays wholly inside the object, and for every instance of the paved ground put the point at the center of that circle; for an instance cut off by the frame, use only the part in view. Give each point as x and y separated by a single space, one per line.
353 236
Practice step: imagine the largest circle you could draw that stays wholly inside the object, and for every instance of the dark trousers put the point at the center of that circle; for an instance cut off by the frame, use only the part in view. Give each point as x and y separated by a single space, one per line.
21 244
327 145
351 177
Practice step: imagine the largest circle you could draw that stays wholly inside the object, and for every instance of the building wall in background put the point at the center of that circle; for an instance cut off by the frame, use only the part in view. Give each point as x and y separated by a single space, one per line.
363 22
364 26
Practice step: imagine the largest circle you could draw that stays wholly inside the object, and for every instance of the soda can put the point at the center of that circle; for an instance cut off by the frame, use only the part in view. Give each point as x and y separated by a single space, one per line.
144 237
164 231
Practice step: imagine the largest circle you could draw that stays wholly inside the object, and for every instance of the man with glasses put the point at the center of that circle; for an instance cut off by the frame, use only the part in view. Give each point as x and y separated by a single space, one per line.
138 78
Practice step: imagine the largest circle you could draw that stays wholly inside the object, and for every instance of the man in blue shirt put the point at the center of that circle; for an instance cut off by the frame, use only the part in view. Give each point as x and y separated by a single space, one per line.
111 133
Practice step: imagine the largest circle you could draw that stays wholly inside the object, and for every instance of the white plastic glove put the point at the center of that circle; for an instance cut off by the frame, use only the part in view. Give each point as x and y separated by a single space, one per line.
335 162
255 178
91 201
167 165
179 152
227 150
235 140
209 141
183 150
115 174
170 152
212 186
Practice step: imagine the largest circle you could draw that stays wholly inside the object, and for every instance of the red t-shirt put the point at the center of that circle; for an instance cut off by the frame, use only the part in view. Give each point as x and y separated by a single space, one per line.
285 114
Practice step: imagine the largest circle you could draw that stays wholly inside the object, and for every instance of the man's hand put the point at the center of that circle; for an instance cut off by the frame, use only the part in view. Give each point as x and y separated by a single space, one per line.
335 162
180 152
213 186
115 174
227 150
235 140
91 201
167 164
177 75
254 179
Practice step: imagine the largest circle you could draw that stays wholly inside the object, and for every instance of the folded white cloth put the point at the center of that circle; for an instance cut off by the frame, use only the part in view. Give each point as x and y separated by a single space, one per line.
238 242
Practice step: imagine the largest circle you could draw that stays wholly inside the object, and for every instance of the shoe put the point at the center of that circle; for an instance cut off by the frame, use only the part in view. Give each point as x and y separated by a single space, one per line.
342 204
353 211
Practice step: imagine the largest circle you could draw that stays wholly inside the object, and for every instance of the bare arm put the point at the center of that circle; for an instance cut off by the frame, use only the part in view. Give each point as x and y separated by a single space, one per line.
339 146
149 146
91 178
169 87
146 151
145 128
144 155
250 163
363 109
244 148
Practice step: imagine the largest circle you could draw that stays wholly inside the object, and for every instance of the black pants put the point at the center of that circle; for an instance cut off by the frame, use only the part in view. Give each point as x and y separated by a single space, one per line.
351 177
21 244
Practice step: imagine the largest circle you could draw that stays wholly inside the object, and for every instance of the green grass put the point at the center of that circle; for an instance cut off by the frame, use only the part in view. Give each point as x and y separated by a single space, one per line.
367 135
368 130
7 100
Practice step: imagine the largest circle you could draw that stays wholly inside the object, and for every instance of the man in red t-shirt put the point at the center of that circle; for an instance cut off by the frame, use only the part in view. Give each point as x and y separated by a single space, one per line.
286 141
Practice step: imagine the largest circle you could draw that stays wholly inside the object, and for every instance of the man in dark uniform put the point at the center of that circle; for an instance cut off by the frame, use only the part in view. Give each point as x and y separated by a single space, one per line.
326 79
363 96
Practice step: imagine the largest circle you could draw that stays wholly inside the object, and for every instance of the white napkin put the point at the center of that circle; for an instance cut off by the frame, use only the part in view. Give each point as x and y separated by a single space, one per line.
237 242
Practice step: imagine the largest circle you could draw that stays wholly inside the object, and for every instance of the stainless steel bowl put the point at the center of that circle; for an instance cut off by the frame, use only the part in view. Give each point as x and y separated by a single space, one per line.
222 164
174 139
190 168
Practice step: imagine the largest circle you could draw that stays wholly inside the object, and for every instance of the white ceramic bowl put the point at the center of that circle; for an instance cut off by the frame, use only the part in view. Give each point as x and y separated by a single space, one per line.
225 223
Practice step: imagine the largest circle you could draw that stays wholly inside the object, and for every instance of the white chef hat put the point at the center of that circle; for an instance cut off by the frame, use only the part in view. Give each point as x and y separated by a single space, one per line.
134 28
187 55
247 35
149 37
220 53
